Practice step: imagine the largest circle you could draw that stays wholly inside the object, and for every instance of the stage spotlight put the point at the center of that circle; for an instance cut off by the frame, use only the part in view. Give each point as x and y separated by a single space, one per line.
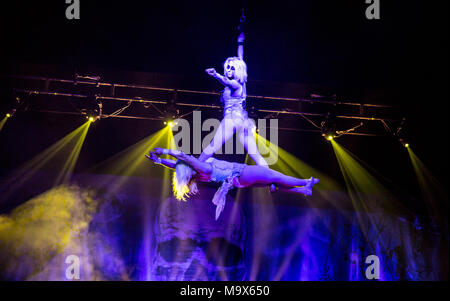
94 109
91 115
402 134
11 113
404 142
18 104
91 118
328 127
170 123
171 114
329 135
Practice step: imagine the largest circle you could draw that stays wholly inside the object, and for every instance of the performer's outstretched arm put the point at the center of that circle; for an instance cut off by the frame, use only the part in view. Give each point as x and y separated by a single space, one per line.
232 83
165 162
198 166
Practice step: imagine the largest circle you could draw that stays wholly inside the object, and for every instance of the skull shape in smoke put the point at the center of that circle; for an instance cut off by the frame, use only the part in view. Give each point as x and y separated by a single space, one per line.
192 245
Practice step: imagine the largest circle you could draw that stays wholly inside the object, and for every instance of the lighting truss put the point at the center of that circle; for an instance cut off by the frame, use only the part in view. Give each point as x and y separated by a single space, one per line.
313 107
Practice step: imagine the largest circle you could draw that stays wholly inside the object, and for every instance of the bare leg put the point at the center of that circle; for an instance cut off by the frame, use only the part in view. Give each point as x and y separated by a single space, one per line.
259 175
303 190
248 140
224 132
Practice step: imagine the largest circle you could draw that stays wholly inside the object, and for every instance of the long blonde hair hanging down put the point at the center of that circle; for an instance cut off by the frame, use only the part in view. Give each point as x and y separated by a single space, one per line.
183 181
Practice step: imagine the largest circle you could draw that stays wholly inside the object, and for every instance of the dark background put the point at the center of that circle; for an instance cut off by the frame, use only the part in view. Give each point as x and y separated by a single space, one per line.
402 57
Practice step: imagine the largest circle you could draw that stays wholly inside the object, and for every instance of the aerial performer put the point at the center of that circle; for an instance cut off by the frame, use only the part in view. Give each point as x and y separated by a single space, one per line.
190 170
235 117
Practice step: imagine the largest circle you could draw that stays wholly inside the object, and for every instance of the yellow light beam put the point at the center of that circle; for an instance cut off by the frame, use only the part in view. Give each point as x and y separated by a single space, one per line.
66 172
53 153
367 194
292 166
361 180
120 163
431 190
170 144
288 164
131 162
2 123
264 216
358 182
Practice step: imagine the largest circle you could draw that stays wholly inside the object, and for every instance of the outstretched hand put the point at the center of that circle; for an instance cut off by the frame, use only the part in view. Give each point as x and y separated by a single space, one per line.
211 71
158 150
153 157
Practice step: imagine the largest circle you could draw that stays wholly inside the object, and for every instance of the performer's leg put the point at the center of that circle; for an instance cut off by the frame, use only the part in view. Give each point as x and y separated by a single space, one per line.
248 140
224 132
303 190
259 175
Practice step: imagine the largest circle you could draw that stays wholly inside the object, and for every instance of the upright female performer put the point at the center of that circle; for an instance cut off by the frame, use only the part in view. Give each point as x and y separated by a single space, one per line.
235 117
189 170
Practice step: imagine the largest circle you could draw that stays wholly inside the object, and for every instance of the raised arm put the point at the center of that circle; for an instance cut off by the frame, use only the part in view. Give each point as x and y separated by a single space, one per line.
165 162
240 42
198 166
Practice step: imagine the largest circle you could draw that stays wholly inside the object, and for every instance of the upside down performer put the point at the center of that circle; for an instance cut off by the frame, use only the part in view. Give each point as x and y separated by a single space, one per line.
235 117
189 170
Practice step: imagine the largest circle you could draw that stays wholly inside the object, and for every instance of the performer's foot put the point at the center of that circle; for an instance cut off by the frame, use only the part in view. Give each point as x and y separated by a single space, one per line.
310 185
314 180
308 191
273 188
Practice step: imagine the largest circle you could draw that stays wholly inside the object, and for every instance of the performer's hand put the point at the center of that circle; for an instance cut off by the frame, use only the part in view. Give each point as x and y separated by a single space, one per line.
152 157
241 38
211 71
158 151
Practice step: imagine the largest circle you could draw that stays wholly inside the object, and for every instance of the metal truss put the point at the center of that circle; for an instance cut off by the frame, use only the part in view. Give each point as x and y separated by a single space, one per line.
181 102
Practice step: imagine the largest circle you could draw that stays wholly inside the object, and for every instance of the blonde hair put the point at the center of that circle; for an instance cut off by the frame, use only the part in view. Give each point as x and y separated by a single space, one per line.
240 68
183 181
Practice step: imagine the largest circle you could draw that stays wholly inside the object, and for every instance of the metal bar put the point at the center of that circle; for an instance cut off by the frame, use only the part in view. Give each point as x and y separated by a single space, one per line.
322 115
103 115
199 105
51 93
160 119
289 112
131 99
145 87
364 118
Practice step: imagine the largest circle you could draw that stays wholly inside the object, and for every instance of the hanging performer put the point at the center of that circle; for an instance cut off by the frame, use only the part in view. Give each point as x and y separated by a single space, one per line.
235 117
189 170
